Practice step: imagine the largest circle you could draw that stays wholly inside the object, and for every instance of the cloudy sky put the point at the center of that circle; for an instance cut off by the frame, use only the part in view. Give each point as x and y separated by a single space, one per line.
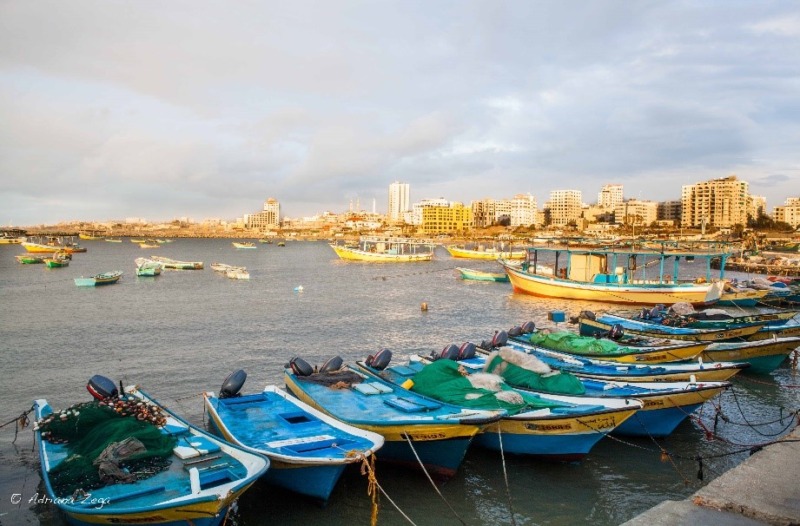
113 109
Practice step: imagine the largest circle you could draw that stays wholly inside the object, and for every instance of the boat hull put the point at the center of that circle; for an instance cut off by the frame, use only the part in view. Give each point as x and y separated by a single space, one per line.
490 254
479 275
764 356
589 327
631 294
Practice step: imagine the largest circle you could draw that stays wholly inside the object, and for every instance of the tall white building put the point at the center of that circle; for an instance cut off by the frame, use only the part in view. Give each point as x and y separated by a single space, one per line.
610 196
523 210
399 201
719 202
565 206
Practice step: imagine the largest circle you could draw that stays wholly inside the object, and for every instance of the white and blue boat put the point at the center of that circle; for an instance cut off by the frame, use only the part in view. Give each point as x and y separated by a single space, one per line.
308 450
666 404
418 432
548 426
195 482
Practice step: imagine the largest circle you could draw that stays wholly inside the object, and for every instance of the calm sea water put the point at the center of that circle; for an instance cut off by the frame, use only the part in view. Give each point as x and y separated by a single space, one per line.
181 333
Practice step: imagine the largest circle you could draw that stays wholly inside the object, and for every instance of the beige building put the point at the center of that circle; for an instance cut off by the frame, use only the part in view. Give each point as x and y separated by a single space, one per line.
453 219
636 212
610 196
399 203
269 217
789 212
565 207
721 202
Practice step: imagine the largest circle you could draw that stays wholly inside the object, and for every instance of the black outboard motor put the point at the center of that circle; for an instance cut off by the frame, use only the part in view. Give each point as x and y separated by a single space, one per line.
657 312
334 364
380 359
644 314
499 339
616 332
450 352
300 367
101 387
233 384
515 331
528 327
589 315
466 351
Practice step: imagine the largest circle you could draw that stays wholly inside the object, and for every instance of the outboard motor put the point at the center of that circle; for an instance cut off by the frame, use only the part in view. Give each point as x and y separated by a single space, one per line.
499 339
657 312
380 359
233 384
101 387
515 331
616 332
589 315
334 364
485 344
300 367
528 327
466 351
644 314
450 352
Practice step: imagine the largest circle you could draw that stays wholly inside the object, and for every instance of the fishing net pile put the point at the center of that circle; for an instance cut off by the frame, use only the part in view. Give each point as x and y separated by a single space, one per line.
109 441
523 370
576 344
444 381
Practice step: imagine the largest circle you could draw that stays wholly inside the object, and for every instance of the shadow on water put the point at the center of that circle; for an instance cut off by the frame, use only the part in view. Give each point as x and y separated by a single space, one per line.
181 333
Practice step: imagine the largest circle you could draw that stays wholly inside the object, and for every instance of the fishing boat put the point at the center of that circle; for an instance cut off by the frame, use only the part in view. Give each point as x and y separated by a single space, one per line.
480 251
244 244
549 426
591 325
221 267
237 273
480 275
684 315
113 240
626 275
763 356
147 267
266 241
53 244
385 250
149 244
89 236
183 476
736 296
30 259
178 265
308 450
281 243
417 432
58 260
601 369
12 236
104 278
666 404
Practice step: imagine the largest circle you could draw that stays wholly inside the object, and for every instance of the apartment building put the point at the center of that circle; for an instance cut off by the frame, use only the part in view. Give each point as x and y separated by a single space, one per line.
452 219
721 202
636 212
564 206
270 216
610 196
399 202
789 212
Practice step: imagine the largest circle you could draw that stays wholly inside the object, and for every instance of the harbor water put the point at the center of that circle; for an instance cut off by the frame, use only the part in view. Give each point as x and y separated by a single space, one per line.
183 332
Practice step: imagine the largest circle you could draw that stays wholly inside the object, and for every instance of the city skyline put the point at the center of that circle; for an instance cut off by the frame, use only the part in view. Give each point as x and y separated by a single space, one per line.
189 109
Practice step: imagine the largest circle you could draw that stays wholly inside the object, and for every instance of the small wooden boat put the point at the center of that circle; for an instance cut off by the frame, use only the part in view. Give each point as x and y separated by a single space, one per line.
178 265
482 252
666 404
113 240
183 476
621 371
30 259
244 244
58 260
736 296
52 245
149 245
308 450
104 278
555 427
417 432
237 273
265 241
89 236
138 240
385 250
281 243
480 275
591 325
763 356
147 267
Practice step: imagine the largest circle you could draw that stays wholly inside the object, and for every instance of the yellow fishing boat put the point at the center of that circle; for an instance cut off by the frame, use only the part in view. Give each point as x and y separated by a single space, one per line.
385 250
482 252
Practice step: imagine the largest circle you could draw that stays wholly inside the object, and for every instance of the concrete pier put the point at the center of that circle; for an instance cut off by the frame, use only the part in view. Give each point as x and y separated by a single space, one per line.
764 489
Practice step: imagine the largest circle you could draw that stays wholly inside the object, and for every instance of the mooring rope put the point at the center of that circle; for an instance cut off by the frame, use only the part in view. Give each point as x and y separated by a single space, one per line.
384 278
505 475
413 450
21 422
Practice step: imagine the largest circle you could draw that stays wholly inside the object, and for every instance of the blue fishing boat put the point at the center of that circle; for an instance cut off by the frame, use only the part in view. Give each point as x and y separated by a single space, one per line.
308 450
417 432
126 459
666 404
481 275
618 371
549 426
593 325
104 278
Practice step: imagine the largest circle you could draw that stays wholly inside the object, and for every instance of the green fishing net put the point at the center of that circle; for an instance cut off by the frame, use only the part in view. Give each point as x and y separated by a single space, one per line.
443 381
576 344
106 444
556 383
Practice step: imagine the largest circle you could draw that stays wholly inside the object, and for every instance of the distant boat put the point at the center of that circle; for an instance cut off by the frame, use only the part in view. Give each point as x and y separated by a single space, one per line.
104 278
264 240
385 250
89 236
113 240
149 245
138 240
53 244
30 259
481 252
9 238
59 259
480 275
178 265
237 273
281 243
244 244
148 267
